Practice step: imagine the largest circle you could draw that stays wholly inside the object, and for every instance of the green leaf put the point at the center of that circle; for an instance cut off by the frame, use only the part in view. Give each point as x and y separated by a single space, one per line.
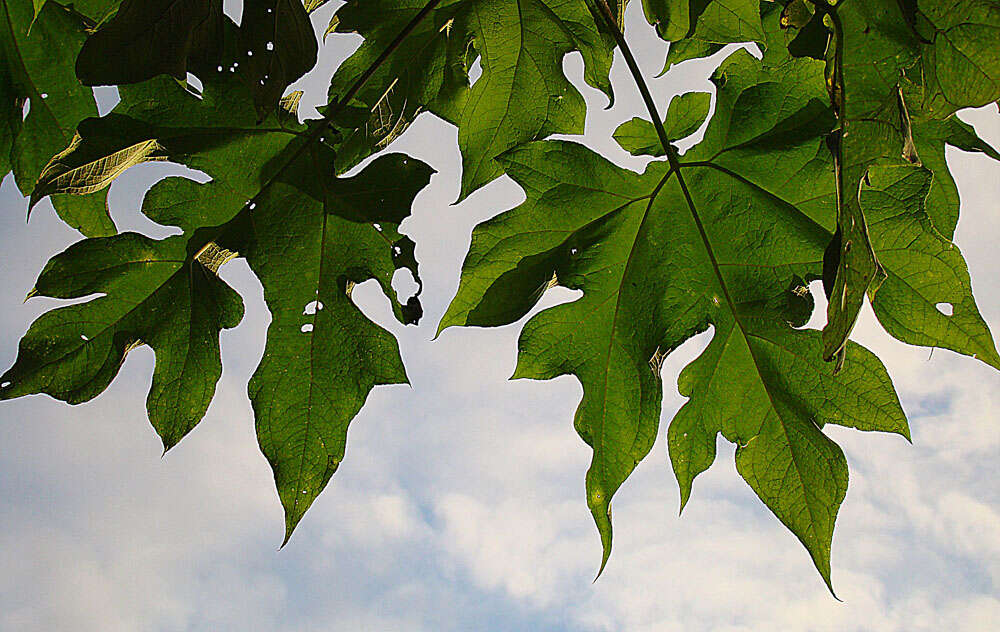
659 262
926 298
685 115
36 69
897 70
151 37
324 356
273 46
960 64
308 236
699 28
153 293
217 133
672 18
522 95
650 280
930 137
277 46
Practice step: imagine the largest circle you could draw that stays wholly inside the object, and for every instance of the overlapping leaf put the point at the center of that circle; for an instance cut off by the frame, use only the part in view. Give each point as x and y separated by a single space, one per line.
894 75
700 28
36 76
273 199
825 159
732 249
522 95
273 46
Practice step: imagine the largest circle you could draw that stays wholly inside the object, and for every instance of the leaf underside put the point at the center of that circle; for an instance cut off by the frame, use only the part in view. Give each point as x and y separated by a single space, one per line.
822 160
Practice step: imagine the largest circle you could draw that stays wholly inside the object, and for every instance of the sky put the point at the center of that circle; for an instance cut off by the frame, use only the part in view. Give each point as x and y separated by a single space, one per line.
460 503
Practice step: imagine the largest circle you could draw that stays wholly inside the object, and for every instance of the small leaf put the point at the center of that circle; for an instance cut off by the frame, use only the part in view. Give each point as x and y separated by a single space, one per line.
685 115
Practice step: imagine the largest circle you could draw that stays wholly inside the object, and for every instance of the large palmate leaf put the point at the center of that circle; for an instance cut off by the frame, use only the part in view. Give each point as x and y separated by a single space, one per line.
731 248
522 95
36 76
308 236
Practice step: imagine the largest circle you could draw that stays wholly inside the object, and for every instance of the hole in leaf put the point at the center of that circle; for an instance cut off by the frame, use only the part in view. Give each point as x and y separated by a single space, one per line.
194 84
475 71
312 308
107 98
84 337
25 109
945 308
307 328
5 385
404 284
377 227
270 46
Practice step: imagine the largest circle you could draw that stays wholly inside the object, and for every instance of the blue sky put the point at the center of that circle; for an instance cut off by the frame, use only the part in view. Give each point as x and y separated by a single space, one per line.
460 503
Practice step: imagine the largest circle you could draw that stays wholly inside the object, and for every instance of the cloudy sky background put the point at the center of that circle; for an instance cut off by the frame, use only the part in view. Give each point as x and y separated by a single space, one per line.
460 503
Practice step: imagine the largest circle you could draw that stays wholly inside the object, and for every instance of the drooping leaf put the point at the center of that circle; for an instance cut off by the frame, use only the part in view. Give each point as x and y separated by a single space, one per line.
522 94
655 270
324 356
899 68
926 298
310 237
731 249
36 74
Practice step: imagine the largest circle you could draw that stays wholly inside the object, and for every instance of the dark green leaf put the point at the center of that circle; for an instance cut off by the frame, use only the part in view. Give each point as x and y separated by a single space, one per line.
324 356
151 37
273 46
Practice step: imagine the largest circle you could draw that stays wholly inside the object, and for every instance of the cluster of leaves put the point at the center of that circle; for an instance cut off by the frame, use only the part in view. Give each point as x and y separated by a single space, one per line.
824 159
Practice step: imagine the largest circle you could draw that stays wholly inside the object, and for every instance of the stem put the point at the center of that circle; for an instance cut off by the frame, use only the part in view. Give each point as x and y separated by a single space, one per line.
334 111
672 156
